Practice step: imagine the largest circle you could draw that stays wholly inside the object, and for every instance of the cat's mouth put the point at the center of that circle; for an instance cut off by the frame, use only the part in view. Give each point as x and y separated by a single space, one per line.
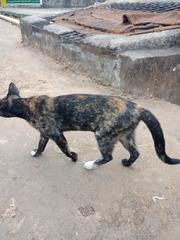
3 109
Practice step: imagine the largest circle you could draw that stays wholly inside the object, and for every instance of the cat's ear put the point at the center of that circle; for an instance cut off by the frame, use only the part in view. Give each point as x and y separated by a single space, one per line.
13 90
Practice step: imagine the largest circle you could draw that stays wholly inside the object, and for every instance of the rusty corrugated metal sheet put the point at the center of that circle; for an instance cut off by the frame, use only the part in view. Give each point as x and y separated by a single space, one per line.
113 21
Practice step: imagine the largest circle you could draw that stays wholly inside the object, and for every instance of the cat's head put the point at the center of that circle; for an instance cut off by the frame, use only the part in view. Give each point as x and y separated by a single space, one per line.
8 104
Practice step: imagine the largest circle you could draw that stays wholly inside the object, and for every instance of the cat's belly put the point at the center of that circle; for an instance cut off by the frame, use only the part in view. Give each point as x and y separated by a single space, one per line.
78 127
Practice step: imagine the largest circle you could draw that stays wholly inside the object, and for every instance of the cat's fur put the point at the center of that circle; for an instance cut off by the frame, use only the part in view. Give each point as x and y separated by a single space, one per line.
111 118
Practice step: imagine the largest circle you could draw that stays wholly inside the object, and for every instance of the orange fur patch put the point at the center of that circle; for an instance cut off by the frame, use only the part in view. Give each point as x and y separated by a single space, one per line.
120 104
51 104
80 96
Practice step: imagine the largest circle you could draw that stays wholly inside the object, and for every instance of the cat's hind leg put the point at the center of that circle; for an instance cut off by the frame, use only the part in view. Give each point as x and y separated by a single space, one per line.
106 146
41 146
128 142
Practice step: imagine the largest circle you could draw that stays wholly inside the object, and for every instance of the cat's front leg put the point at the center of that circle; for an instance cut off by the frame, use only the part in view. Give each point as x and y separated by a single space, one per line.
62 143
41 146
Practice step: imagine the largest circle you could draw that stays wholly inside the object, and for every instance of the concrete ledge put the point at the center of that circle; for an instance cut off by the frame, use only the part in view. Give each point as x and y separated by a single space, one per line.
10 19
56 29
141 64
153 71
156 40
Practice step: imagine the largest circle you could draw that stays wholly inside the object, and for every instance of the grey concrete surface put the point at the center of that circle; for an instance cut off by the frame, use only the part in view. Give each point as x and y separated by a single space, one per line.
123 43
142 1
40 198
23 12
68 3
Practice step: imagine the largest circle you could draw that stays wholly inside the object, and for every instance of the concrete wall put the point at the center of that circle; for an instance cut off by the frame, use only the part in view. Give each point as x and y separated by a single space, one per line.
142 65
68 3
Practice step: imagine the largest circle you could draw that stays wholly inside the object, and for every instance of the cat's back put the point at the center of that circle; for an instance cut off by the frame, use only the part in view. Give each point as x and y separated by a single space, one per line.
98 103
89 112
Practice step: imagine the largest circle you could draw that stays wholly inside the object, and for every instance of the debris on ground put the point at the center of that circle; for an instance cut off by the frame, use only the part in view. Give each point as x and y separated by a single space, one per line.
86 211
10 211
155 198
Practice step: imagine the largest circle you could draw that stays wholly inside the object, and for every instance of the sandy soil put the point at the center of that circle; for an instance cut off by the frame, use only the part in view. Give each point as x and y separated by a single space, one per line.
41 198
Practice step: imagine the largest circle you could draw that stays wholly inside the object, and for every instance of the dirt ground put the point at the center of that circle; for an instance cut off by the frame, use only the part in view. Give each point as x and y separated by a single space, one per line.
44 198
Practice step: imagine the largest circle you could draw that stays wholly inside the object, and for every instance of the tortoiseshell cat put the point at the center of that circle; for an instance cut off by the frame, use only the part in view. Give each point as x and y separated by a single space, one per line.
111 118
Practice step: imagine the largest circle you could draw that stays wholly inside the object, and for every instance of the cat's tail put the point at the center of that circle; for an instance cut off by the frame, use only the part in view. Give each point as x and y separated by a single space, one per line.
157 133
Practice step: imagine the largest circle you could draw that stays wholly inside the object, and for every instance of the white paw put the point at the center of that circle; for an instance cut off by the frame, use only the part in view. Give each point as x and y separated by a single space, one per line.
33 152
90 165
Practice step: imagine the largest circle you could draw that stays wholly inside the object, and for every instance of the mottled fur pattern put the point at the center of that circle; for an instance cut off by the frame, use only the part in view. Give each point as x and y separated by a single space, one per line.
112 119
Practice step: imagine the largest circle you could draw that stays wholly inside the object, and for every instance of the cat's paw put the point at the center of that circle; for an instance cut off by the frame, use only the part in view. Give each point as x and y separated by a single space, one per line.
126 163
74 156
35 153
90 165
